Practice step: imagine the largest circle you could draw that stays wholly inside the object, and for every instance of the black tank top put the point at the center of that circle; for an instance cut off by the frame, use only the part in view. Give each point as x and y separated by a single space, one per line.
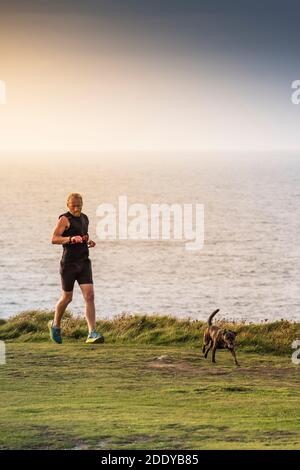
78 226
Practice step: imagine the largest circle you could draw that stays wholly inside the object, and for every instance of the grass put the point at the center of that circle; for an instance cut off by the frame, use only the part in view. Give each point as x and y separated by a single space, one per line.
147 387
275 338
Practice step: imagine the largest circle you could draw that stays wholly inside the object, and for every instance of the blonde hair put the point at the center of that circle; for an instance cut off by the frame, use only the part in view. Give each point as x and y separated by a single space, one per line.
77 195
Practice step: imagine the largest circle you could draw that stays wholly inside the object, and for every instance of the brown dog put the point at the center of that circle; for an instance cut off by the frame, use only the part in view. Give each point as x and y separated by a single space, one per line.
218 338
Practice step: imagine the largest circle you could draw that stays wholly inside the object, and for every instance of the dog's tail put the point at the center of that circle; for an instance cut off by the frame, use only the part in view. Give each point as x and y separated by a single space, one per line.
211 316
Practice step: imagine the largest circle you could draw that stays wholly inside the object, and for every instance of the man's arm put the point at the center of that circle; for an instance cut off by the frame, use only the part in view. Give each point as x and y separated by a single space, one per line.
61 226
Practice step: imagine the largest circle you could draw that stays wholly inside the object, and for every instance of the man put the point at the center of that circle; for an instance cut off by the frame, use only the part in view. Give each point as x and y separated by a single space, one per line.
71 232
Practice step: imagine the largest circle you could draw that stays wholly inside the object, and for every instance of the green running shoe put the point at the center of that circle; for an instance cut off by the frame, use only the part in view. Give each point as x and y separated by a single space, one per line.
95 337
55 333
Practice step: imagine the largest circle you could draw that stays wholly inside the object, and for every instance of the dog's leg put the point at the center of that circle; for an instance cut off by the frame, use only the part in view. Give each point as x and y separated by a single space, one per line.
206 341
234 357
208 349
213 354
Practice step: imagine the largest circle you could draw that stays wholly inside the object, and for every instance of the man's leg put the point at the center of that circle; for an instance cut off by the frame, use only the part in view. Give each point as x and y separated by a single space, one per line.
66 298
85 281
90 310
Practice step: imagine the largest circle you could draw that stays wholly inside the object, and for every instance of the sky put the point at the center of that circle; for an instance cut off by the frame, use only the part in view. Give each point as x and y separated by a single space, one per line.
149 76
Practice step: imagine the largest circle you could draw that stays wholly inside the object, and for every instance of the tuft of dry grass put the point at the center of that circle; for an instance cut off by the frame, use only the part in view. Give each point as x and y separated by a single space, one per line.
275 337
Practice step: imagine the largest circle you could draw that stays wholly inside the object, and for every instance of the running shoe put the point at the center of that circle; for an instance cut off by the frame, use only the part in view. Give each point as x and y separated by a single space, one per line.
55 333
95 337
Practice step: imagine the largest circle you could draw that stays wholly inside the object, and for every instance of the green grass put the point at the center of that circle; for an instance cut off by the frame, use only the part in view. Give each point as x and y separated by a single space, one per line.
147 387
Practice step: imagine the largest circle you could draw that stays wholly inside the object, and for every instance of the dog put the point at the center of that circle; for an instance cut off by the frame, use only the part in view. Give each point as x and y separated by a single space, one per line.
218 338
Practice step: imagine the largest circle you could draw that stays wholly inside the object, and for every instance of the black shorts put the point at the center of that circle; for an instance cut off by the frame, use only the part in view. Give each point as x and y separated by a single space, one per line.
80 271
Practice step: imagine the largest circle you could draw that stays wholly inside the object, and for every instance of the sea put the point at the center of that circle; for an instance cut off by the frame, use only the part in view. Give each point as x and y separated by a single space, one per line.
248 266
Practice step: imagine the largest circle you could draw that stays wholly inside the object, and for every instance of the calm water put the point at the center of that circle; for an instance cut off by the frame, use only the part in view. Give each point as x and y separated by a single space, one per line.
249 266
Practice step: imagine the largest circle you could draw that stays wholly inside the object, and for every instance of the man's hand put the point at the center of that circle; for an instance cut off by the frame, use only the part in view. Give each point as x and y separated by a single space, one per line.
76 239
91 244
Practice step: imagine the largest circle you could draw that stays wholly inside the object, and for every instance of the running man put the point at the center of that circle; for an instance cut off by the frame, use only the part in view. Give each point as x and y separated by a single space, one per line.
71 232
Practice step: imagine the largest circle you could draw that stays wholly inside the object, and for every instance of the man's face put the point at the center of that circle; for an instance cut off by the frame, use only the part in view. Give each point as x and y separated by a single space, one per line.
75 206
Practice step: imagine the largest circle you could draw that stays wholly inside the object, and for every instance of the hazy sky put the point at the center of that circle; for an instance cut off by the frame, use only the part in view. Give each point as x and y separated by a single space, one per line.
149 75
